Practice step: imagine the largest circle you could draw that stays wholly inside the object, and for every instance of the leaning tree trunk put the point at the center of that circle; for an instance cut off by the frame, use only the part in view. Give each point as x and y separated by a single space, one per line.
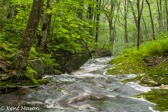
20 60
135 18
153 30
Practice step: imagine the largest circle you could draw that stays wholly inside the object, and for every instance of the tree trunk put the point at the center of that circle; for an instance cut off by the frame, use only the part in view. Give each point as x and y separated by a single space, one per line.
97 27
166 13
112 37
125 18
159 5
146 29
97 19
110 17
90 11
80 11
90 17
111 30
133 13
135 18
161 18
139 22
20 60
45 29
153 29
4 2
11 11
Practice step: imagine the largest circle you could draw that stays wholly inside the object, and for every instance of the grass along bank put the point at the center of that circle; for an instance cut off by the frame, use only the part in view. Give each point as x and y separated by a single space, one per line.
152 61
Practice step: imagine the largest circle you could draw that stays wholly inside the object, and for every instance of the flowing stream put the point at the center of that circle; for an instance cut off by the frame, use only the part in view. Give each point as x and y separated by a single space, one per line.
85 90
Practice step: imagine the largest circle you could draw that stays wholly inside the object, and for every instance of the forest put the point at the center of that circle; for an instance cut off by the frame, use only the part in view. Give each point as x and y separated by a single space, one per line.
59 37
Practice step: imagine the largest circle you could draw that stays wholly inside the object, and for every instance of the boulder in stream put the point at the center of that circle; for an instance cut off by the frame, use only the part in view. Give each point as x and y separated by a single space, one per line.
101 52
69 62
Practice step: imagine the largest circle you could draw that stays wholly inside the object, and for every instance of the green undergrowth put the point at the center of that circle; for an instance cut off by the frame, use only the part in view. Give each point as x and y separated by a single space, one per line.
126 65
47 58
151 61
8 51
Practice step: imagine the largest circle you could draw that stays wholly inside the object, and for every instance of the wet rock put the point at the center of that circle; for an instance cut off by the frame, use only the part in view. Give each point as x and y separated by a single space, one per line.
39 66
42 69
69 62
85 96
2 88
49 70
4 77
164 86
8 88
101 52
86 106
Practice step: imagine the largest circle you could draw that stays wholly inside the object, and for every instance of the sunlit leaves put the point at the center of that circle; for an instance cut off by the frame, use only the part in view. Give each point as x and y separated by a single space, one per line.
21 2
67 26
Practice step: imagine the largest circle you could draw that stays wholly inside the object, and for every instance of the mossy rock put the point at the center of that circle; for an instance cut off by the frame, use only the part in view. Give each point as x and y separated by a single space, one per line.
57 72
100 52
43 81
70 61
38 66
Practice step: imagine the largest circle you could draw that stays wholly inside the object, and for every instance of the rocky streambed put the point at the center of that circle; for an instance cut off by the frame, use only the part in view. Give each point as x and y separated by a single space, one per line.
85 90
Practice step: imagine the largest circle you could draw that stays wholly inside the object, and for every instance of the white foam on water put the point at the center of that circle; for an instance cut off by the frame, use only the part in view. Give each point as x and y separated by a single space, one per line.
67 80
139 87
111 96
50 103
131 75
47 76
142 99
83 75
150 108
107 59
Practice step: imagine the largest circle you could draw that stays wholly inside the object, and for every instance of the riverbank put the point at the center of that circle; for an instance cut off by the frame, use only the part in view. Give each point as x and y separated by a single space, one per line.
51 62
150 64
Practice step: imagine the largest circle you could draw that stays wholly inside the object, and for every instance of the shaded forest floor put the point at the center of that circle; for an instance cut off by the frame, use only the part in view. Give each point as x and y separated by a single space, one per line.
150 64
7 52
